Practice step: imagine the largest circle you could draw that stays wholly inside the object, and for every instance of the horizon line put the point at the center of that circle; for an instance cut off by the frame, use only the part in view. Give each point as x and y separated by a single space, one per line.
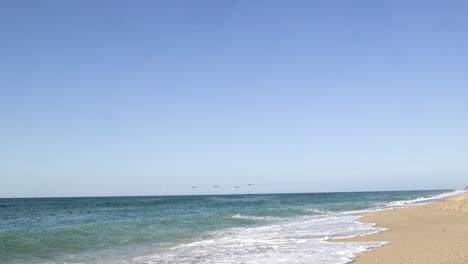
220 194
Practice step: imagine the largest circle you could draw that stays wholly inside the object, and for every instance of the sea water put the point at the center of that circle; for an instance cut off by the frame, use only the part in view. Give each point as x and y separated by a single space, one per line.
264 228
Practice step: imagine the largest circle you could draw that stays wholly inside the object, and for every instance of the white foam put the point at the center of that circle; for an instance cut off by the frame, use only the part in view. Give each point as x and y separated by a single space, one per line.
317 211
299 241
424 200
256 218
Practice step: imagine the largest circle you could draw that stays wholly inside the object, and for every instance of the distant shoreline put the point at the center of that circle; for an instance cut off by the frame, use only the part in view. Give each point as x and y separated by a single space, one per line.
432 233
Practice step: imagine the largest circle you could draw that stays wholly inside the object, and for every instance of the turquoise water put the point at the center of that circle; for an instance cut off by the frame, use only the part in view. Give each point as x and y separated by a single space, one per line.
179 229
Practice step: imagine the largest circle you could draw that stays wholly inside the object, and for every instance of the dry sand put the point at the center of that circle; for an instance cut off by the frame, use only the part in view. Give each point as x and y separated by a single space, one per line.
433 233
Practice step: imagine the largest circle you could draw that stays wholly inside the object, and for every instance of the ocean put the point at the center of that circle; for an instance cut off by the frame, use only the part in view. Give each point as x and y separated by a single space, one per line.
263 228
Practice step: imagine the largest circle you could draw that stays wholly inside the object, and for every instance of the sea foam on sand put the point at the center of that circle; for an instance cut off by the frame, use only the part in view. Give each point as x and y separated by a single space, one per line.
429 233
300 241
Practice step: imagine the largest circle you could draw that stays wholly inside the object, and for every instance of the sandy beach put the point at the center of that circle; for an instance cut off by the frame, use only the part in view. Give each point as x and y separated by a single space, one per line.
433 233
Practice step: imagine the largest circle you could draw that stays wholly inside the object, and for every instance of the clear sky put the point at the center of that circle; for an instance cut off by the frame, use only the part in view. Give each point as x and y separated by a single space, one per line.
154 97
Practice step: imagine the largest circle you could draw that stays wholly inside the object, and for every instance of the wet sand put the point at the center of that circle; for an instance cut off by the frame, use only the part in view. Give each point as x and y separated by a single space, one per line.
434 233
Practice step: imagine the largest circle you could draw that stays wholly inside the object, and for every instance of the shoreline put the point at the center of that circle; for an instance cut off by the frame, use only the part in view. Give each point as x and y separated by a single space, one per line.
420 234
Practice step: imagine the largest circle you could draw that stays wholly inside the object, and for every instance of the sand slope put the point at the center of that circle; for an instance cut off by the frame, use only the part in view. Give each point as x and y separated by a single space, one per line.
434 233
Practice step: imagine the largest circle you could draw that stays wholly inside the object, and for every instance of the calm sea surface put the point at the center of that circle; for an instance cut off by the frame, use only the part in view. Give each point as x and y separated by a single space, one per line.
273 228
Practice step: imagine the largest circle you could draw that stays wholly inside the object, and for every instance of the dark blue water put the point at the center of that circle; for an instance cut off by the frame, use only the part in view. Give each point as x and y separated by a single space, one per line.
163 229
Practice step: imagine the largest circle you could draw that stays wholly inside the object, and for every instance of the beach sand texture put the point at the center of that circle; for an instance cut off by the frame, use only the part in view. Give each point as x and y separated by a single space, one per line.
433 233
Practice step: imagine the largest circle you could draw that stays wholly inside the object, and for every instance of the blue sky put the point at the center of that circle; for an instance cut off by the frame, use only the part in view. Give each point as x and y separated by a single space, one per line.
153 97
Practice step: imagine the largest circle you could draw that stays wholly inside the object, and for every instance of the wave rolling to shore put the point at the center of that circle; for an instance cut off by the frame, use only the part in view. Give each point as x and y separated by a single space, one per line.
273 228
